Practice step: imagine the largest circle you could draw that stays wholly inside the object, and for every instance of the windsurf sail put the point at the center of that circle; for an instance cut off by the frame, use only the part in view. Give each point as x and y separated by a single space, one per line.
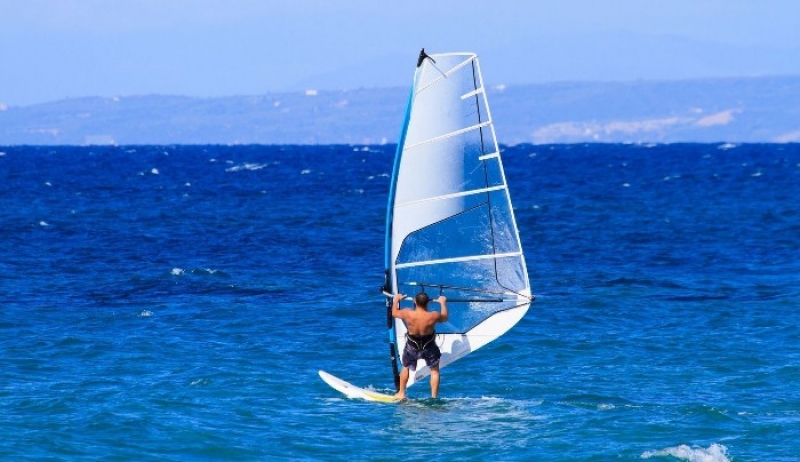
450 227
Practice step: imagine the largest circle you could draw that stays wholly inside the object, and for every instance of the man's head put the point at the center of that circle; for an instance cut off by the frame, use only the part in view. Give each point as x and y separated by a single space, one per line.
421 300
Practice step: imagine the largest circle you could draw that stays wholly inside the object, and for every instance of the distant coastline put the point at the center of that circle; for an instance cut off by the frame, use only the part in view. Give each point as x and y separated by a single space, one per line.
737 110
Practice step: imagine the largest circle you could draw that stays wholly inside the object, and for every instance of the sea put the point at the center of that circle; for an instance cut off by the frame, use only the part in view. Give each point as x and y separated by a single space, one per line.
175 303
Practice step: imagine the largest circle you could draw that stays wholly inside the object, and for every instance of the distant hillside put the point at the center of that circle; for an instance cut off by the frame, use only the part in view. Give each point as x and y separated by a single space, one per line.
764 109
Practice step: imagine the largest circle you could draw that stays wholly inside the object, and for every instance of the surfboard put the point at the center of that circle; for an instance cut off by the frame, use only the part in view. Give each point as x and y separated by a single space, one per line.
352 391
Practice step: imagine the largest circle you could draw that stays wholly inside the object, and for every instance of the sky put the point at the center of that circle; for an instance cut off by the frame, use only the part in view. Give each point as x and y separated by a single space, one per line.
56 49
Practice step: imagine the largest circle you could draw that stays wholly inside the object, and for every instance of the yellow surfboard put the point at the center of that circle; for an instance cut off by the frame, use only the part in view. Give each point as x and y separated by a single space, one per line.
352 391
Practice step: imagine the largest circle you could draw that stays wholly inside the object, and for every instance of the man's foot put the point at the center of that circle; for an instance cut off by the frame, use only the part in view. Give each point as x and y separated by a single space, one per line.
399 396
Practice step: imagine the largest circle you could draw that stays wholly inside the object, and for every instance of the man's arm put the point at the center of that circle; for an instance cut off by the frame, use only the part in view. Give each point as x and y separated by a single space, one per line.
396 312
443 316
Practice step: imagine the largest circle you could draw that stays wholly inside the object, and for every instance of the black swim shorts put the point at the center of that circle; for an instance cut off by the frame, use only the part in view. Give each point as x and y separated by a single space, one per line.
421 347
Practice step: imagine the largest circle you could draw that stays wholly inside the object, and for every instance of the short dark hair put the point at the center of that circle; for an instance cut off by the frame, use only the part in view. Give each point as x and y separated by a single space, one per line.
422 299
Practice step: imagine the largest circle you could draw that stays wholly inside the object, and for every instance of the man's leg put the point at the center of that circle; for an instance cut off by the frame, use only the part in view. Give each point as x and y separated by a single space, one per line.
435 381
401 393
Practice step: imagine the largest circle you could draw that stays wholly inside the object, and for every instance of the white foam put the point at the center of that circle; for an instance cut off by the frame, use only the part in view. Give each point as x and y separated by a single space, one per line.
145 314
154 171
714 453
177 271
246 166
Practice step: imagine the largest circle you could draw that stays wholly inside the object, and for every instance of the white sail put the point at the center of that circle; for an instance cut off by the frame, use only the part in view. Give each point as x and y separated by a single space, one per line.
450 224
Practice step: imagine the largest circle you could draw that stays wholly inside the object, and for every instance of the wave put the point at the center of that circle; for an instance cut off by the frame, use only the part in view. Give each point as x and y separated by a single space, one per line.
247 166
198 271
714 453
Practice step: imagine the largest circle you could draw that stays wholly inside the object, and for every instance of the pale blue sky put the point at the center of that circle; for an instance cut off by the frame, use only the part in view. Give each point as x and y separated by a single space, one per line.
55 49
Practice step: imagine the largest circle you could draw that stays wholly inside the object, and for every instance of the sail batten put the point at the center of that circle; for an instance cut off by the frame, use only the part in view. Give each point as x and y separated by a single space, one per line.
450 217
453 196
458 260
472 93
451 134
446 74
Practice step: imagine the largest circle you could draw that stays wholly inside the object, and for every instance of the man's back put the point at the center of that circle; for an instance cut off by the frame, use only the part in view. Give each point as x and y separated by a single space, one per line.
421 321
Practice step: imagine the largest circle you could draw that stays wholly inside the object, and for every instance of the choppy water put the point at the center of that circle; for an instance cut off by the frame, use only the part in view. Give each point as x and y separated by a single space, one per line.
176 302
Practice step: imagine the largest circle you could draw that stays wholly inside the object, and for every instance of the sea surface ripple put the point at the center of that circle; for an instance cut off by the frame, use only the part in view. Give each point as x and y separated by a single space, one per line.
176 303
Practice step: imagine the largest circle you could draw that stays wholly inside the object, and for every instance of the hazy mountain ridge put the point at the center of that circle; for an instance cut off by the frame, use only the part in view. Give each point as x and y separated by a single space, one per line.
757 109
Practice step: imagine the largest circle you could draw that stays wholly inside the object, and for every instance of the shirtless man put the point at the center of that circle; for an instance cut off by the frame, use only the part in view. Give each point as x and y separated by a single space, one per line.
421 341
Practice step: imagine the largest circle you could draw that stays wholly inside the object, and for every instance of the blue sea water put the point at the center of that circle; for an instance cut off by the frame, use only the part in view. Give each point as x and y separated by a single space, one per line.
176 302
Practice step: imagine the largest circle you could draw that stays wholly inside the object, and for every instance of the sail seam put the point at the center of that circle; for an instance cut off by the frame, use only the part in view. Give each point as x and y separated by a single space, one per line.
458 259
449 135
452 196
